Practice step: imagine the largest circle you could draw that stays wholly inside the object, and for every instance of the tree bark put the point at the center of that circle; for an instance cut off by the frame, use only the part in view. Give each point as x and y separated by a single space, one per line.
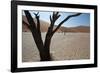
45 55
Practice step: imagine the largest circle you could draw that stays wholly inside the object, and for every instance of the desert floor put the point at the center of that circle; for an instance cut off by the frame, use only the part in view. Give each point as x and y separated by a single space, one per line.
71 46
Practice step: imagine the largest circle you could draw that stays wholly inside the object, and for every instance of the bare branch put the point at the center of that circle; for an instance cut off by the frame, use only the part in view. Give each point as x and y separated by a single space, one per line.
38 21
30 19
70 16
53 19
55 16
36 35
36 14
50 18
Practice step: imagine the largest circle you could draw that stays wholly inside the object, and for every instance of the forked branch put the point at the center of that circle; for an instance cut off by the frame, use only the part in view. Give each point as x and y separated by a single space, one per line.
70 16
53 19
30 19
38 21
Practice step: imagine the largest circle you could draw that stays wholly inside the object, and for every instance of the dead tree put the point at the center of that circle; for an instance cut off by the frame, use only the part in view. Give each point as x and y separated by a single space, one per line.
44 48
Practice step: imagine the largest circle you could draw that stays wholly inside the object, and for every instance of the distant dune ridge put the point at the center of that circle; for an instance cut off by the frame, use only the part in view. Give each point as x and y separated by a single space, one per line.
44 27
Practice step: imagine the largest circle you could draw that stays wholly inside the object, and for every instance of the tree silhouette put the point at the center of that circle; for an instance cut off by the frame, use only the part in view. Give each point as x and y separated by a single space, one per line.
44 48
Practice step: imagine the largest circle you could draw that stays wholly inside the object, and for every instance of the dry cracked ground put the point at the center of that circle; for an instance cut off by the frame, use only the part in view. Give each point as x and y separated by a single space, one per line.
71 46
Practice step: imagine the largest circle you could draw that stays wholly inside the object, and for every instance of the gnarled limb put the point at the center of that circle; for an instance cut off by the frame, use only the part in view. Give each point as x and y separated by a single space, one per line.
53 18
70 16
37 37
38 21
49 34
30 19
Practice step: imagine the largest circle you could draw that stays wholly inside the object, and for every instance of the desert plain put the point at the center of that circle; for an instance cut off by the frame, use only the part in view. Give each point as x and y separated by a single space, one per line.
64 46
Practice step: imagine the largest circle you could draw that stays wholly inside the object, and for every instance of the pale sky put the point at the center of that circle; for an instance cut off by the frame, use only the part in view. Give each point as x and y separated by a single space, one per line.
81 20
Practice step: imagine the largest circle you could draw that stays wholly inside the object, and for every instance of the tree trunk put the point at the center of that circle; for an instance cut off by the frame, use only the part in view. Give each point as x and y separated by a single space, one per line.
45 55
44 50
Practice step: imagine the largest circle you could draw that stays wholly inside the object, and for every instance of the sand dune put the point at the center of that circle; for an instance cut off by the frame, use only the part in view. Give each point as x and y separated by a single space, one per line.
44 27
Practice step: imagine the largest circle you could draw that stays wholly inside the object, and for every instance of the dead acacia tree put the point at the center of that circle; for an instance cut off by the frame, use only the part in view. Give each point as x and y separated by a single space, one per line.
44 48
